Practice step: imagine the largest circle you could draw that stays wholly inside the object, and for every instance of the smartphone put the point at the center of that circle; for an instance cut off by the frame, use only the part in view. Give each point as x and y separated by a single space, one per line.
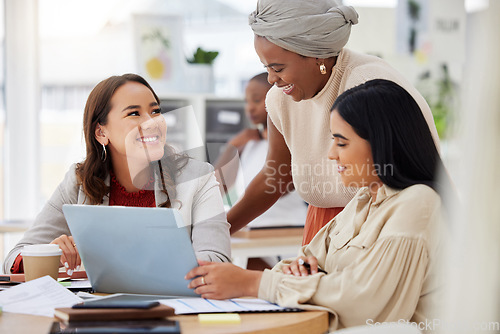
142 304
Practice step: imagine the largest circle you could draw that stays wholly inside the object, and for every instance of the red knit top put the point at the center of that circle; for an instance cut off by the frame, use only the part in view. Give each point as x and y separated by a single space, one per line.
118 195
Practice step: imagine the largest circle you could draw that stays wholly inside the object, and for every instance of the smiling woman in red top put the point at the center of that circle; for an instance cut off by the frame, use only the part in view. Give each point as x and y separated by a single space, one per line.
129 163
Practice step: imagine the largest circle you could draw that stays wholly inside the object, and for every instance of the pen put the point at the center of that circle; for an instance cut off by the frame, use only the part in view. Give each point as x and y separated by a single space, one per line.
308 266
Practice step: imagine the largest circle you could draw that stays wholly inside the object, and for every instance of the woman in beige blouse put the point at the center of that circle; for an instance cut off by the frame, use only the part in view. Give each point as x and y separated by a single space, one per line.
380 254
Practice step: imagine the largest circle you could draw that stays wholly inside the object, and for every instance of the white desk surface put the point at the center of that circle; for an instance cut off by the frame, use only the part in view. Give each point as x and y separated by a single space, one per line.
264 242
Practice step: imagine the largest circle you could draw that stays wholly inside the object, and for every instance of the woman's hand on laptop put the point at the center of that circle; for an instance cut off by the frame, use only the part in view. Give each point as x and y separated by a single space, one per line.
70 258
223 280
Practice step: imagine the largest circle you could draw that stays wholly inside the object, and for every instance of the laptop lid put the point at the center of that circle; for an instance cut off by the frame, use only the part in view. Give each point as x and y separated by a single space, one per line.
131 249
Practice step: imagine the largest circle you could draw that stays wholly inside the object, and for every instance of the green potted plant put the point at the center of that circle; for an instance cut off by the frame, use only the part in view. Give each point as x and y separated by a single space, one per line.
200 74
440 94
203 57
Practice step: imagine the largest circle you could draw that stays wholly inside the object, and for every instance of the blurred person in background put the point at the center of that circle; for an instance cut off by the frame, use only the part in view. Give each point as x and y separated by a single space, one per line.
248 150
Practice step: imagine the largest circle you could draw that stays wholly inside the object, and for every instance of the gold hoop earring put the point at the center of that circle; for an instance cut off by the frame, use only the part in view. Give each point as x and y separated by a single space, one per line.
322 68
104 154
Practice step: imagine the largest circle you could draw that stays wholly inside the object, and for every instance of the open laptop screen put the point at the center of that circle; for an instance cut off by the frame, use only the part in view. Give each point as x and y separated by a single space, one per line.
131 249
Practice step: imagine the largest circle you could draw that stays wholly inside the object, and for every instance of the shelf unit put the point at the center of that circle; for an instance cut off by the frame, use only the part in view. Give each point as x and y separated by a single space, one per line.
201 124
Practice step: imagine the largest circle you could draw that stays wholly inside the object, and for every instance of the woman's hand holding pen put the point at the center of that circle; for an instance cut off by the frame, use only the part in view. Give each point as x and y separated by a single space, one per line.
70 258
302 266
223 280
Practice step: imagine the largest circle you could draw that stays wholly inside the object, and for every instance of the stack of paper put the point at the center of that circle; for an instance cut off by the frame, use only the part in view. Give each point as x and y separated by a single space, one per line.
38 297
200 305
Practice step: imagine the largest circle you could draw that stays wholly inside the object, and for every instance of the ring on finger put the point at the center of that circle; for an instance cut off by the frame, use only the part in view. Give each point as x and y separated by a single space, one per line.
203 280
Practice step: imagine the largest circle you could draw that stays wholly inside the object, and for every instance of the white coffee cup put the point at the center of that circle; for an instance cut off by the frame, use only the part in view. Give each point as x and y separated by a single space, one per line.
41 260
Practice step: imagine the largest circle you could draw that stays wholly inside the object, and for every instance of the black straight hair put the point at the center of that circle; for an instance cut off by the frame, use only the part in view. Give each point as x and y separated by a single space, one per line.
386 115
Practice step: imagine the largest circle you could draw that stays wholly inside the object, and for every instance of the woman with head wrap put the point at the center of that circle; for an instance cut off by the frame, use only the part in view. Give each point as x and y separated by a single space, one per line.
301 44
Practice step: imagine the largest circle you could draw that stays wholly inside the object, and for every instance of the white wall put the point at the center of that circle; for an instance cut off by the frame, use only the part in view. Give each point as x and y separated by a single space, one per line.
87 59
375 32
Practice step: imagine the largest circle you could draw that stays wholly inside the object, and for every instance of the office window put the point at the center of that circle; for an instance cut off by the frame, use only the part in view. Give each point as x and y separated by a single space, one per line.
61 137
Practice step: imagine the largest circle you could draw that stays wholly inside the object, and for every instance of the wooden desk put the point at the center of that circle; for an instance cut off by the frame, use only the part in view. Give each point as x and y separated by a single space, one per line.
264 242
308 322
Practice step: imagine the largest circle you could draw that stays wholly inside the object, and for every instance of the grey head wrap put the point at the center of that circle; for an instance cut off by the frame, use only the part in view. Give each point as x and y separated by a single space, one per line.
311 28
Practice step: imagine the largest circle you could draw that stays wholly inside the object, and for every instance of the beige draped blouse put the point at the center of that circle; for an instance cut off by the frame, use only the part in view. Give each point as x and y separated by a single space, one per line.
305 126
381 258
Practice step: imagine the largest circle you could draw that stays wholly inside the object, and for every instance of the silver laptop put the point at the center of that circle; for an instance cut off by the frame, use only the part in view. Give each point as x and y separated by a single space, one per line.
132 250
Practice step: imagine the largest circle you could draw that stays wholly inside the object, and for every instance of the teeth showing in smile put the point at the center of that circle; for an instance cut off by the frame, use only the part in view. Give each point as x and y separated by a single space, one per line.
287 89
148 139
340 169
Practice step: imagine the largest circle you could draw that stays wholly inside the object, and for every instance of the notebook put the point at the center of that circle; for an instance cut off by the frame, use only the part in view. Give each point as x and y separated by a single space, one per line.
132 250
68 314
239 305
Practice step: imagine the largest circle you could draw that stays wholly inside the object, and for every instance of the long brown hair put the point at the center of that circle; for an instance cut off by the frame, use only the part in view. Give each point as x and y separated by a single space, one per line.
92 172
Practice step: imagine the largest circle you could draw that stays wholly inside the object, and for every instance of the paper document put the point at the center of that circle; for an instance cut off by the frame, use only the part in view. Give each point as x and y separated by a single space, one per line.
76 284
37 297
201 305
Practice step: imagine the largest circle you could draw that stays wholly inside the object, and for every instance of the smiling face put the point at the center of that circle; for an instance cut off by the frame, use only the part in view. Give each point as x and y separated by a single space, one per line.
298 76
134 131
353 155
255 102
